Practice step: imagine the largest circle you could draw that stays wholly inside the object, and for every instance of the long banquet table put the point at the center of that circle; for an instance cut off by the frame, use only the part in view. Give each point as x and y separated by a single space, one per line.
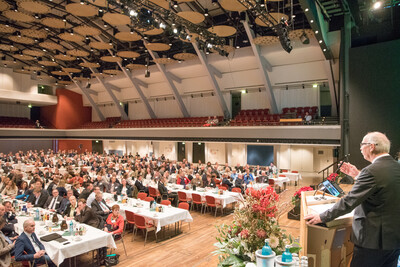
170 215
58 252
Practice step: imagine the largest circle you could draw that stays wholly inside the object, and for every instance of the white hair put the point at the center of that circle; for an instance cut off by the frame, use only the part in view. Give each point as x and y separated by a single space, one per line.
380 140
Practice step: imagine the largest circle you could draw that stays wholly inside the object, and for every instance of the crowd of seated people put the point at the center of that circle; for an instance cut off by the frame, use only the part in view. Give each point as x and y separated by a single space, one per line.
73 184
169 122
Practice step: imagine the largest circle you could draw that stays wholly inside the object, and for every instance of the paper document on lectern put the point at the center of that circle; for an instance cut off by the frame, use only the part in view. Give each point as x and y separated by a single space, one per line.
342 220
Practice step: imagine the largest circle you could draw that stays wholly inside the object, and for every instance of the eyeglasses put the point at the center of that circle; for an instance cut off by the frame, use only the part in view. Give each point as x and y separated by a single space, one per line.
361 144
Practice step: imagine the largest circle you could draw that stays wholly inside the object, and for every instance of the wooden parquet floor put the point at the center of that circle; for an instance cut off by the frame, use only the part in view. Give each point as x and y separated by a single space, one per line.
193 247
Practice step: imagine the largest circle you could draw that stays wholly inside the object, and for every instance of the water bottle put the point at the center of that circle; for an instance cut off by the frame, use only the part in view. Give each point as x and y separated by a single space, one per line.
71 228
266 250
37 215
287 256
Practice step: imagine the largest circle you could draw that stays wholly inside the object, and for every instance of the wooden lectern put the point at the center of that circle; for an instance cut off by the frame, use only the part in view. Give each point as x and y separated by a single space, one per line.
328 246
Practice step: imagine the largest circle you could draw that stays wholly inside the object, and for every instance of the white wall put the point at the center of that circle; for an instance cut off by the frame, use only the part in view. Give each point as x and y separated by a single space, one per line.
239 154
108 110
114 145
215 152
168 149
12 110
12 81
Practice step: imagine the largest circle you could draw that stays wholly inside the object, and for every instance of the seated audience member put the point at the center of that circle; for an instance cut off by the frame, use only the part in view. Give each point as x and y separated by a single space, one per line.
61 188
234 175
54 201
6 246
197 181
37 124
273 169
165 194
113 186
240 182
65 202
100 207
75 189
100 183
23 191
263 178
124 189
208 122
8 228
87 191
214 121
257 171
29 248
115 222
84 214
92 196
225 182
210 182
307 118
139 185
248 177
39 196
70 210
9 214
10 189
53 184
181 178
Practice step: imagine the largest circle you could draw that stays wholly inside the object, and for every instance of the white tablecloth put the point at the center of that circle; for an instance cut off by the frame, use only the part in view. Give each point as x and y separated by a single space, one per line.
280 180
93 239
170 215
293 176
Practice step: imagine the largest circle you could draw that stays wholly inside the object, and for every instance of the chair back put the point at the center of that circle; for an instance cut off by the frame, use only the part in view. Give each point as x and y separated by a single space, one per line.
217 181
237 190
271 182
182 196
148 199
183 205
210 200
281 175
140 221
196 198
130 217
165 202
152 191
284 170
222 187
141 195
295 171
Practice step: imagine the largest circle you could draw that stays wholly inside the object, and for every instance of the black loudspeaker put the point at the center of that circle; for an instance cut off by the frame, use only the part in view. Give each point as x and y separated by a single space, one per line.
335 152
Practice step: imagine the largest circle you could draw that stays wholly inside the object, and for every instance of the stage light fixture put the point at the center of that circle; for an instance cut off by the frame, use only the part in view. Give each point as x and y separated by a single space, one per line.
206 12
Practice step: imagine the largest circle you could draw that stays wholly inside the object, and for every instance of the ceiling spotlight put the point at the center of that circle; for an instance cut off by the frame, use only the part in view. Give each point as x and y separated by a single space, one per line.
209 45
243 91
306 10
105 25
175 30
64 18
175 3
238 46
162 25
320 41
316 32
147 73
82 2
311 21
377 5
214 2
324 49
206 12
315 85
133 13
304 38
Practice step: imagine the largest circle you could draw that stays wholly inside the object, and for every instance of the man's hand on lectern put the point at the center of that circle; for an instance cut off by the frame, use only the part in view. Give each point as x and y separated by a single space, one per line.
313 219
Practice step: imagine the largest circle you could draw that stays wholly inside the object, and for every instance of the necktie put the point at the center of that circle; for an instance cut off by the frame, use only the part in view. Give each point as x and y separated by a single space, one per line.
104 207
53 203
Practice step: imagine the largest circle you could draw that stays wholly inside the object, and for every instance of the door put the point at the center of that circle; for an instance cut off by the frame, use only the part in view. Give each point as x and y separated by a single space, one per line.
199 152
181 151
97 146
236 103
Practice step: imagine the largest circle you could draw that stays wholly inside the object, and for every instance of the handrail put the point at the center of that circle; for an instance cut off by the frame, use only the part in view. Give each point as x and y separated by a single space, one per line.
335 163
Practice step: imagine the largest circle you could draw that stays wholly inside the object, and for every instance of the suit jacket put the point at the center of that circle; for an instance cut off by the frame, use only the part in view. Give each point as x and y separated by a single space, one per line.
140 185
225 181
88 216
5 248
375 197
58 202
85 194
22 244
98 210
67 210
115 187
42 199
162 189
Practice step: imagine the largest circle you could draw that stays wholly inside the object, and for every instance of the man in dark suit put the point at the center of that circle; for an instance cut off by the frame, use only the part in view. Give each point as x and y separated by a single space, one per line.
375 197
29 248
65 202
86 192
226 182
53 202
165 194
100 207
39 196
140 185
84 214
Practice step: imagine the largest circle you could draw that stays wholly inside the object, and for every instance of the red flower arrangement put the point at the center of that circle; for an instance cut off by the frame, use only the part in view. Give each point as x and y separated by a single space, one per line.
297 194
332 177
